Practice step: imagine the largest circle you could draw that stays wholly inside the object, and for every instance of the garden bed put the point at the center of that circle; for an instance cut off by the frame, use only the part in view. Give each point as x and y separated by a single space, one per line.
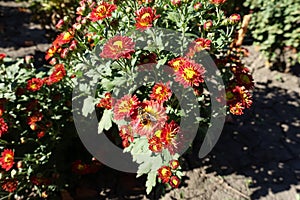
257 156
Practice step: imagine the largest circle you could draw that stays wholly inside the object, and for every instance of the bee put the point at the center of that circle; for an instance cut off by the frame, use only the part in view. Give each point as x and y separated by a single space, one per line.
145 117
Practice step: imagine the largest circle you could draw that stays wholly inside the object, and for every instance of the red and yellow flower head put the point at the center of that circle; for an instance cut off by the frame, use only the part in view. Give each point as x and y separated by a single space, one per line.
9 185
190 74
145 18
3 127
118 47
164 173
102 11
34 84
174 181
161 92
58 73
7 159
151 119
176 63
105 102
125 107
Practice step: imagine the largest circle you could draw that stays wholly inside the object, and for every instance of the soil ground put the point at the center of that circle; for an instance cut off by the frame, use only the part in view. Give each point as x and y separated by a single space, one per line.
256 157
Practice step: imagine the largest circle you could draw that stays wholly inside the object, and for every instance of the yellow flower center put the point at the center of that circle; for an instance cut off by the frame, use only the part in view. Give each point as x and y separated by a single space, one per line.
124 106
164 171
101 10
145 15
174 181
189 73
119 44
8 158
67 36
158 90
158 133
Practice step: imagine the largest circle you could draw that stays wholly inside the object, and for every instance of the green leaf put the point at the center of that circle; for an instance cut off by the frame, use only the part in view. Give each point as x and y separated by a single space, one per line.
88 106
151 181
106 121
144 168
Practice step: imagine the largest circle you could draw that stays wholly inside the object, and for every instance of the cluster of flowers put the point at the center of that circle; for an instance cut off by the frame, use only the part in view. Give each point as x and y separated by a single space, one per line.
101 23
167 174
238 94
28 128
58 73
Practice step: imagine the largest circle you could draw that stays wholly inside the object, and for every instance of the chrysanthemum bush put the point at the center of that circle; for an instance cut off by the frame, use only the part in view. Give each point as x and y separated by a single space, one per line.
139 64
36 131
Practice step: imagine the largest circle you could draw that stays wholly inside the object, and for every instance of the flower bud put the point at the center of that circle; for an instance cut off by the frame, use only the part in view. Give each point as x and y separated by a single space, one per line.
59 24
175 2
207 25
174 164
20 164
28 59
197 6
2 56
234 18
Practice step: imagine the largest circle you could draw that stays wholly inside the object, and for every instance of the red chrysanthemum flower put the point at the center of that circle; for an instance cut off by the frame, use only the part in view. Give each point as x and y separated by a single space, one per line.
217 1
161 92
34 84
59 72
2 56
207 25
236 109
40 134
105 102
118 47
7 159
145 17
174 164
176 63
125 107
235 18
126 134
168 136
150 118
35 117
244 96
198 45
3 127
64 38
197 6
102 11
51 52
190 74
174 181
176 2
9 185
164 173
155 144
238 98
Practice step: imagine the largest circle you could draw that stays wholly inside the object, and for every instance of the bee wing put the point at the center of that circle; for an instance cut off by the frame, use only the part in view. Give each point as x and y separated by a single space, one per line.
153 119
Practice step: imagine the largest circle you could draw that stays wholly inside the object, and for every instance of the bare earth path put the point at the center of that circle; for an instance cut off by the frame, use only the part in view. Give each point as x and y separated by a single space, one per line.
258 154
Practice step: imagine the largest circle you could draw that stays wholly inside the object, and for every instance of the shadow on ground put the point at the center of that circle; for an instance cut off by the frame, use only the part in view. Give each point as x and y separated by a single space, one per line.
16 28
264 144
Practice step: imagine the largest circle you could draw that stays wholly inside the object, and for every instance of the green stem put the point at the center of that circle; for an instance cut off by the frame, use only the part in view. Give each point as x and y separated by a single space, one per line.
6 197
